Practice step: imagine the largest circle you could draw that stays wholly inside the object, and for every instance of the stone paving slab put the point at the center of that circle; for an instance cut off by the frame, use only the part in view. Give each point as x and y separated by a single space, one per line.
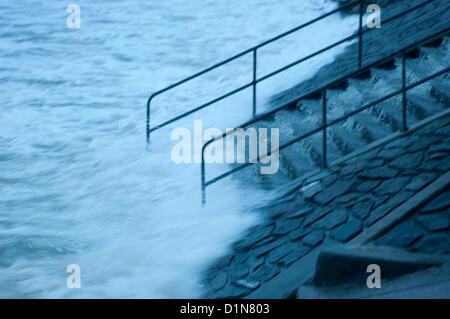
294 227
426 230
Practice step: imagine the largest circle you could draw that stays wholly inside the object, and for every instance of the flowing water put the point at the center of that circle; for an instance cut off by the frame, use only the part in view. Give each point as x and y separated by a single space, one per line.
77 184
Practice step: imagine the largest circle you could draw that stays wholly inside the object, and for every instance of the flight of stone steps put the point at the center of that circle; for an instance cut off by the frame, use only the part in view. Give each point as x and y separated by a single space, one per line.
363 128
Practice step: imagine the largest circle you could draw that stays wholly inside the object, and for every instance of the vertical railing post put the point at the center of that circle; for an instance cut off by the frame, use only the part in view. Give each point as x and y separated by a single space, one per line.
361 13
254 82
203 178
404 101
324 125
147 125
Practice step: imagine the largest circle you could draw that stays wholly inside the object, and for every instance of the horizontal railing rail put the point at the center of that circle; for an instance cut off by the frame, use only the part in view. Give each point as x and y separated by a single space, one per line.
253 83
254 49
322 90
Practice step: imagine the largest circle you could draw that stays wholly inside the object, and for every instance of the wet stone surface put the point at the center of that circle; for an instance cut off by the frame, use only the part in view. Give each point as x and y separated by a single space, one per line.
427 230
340 209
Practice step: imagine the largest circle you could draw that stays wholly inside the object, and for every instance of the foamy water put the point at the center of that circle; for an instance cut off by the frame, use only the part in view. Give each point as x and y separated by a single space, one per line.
77 185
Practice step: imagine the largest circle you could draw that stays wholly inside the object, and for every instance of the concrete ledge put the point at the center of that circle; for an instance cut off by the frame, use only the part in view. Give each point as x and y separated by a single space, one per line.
340 266
402 211
431 283
303 272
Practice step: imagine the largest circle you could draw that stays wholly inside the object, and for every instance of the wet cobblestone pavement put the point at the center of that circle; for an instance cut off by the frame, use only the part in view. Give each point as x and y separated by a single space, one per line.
426 231
340 203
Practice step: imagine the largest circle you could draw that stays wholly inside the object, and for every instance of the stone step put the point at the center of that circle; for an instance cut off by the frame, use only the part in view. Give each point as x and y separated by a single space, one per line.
345 265
361 92
413 54
441 50
434 43
363 75
441 92
431 60
426 60
429 283
302 156
424 105
385 81
343 137
308 107
311 112
343 85
383 114
384 78
388 65
297 124
361 129
371 130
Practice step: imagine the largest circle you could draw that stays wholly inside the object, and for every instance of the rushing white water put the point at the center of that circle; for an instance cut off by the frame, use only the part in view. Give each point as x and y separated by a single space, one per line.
77 185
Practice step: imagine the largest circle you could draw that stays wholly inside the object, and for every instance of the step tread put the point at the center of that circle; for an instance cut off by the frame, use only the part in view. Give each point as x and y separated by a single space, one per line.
429 105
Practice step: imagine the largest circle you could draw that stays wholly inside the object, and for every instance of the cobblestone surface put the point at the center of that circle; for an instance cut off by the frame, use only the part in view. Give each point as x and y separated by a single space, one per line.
427 230
346 199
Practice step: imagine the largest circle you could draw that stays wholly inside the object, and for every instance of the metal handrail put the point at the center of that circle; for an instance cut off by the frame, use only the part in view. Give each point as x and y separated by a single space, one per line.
254 81
254 49
326 124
